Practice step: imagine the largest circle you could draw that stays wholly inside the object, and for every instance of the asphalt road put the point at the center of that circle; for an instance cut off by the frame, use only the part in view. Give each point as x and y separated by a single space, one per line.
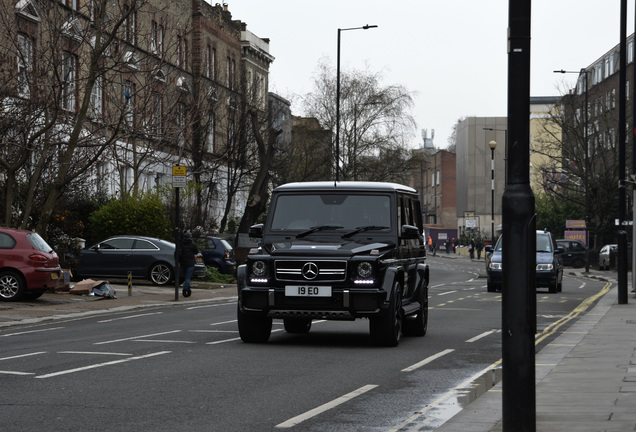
184 368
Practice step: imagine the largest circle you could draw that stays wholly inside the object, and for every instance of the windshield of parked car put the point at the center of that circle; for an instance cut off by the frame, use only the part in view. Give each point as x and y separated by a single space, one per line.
339 211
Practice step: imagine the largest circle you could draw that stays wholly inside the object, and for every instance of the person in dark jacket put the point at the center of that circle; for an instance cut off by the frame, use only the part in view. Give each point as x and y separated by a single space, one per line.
187 258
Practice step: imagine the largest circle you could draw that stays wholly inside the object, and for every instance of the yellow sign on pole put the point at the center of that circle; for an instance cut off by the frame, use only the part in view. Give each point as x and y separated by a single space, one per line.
179 170
179 176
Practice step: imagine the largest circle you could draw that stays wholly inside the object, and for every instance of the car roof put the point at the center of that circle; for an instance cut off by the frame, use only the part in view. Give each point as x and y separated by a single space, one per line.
346 186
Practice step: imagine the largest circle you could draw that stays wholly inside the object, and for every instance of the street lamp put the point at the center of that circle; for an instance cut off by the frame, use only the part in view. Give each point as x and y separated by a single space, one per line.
583 72
493 146
366 27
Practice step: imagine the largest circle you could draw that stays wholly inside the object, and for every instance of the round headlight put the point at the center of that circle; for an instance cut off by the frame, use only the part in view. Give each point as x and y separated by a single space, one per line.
365 269
259 268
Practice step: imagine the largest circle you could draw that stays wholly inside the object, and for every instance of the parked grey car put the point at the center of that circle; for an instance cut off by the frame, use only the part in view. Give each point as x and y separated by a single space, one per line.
146 257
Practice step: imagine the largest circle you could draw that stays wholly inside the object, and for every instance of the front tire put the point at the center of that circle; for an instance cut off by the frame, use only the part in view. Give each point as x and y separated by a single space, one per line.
253 328
160 274
387 330
418 324
12 286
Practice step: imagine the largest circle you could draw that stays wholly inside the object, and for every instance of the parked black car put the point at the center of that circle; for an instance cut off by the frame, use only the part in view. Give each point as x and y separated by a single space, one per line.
574 252
146 257
217 253
337 251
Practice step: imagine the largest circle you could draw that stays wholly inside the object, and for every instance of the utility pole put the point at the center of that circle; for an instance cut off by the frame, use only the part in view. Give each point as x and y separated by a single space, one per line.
519 236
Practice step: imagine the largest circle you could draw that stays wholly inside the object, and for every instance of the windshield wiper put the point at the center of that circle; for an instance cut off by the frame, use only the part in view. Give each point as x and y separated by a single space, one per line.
364 228
317 228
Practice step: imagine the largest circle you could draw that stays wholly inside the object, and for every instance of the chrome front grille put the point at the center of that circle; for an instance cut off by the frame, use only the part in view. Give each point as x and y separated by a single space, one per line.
307 271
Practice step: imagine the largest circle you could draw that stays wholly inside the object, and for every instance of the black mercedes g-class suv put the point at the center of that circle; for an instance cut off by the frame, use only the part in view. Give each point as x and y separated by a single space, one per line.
337 251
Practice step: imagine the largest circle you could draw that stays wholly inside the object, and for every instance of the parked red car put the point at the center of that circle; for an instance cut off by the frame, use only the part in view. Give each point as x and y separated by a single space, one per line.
28 265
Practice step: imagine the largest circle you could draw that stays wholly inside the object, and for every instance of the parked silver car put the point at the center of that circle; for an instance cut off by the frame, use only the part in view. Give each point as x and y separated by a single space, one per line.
604 256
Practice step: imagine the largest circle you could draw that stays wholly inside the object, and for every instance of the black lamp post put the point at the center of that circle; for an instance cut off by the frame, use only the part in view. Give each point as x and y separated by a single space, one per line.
366 27
583 72
493 146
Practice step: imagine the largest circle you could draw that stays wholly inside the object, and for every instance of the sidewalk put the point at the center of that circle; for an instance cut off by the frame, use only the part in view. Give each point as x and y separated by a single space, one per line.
586 378
53 306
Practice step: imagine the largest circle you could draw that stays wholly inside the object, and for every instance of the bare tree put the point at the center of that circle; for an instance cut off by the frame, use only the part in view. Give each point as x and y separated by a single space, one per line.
375 119
577 163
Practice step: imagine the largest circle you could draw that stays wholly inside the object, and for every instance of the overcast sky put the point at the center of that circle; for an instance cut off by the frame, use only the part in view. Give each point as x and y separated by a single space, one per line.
450 53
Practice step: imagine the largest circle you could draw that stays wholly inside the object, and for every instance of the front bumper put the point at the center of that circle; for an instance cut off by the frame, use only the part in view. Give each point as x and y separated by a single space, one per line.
343 304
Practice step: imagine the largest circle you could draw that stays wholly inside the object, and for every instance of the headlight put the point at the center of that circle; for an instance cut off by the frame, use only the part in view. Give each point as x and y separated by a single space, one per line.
495 265
544 267
365 269
259 269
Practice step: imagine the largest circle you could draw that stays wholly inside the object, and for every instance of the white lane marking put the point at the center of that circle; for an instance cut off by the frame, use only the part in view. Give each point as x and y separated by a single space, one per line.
483 335
23 355
234 339
427 360
16 373
213 331
223 341
94 353
130 316
136 337
210 305
446 293
110 363
224 322
31 331
322 408
164 341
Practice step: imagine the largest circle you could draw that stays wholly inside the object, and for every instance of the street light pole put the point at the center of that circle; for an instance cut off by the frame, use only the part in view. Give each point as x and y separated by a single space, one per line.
366 27
583 72
492 145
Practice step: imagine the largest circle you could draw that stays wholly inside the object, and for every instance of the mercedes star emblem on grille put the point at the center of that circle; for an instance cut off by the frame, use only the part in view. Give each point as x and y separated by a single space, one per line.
310 271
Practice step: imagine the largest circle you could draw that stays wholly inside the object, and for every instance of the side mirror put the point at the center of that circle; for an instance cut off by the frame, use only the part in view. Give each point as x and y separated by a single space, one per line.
489 248
256 231
409 232
559 250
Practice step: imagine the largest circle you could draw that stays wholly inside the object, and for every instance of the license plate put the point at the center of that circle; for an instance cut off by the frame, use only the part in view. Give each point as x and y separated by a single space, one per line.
54 276
307 291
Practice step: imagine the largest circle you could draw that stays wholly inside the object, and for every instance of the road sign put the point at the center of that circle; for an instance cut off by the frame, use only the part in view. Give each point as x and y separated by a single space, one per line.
179 179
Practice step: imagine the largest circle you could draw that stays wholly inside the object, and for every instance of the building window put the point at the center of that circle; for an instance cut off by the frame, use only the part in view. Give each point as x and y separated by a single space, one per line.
128 93
227 73
69 74
178 51
206 67
157 114
25 65
212 132
156 38
230 133
213 65
437 177
97 98
432 180
129 25
630 52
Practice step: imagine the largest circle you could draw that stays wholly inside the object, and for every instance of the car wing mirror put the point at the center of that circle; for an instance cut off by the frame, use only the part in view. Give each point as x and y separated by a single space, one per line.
409 232
256 231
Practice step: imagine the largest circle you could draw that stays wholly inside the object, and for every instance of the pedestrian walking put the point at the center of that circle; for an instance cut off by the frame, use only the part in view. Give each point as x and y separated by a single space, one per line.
479 246
471 248
187 258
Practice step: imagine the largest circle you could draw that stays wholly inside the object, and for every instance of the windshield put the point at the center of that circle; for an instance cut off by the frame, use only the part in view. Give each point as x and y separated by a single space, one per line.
332 211
543 243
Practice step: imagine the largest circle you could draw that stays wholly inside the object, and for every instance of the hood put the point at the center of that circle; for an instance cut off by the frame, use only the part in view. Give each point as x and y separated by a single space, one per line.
545 257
